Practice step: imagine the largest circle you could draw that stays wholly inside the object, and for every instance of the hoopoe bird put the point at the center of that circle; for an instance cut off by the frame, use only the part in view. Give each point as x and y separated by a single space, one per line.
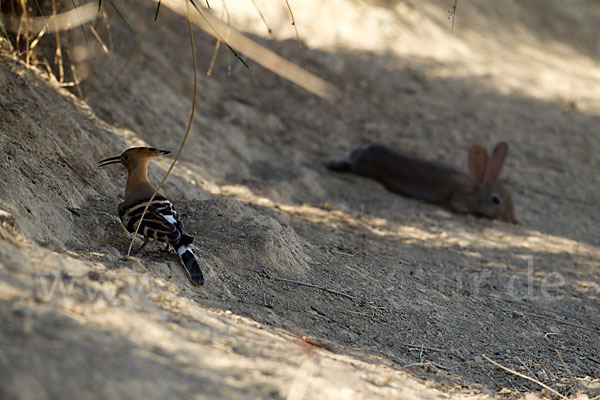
161 221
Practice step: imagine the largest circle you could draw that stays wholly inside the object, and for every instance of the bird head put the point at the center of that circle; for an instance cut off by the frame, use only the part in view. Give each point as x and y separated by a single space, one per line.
133 157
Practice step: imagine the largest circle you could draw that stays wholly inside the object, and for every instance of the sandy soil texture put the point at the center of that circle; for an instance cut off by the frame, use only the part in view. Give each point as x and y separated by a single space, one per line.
414 300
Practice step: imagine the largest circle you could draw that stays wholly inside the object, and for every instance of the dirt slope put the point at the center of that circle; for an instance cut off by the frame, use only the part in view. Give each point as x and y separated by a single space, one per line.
427 293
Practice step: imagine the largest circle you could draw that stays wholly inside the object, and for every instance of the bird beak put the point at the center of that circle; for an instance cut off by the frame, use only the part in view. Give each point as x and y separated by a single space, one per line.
108 161
164 152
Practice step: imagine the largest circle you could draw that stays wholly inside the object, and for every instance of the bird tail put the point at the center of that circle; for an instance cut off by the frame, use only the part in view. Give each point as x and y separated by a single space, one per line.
186 255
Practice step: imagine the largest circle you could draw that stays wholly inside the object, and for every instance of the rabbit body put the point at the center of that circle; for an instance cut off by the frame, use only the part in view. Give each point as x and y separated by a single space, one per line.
479 193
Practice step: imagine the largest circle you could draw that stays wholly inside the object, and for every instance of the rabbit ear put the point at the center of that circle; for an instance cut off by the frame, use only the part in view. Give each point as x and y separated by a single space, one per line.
478 162
496 161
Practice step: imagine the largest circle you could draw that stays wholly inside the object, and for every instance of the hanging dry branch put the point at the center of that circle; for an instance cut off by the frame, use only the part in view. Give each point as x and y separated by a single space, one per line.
261 55
52 23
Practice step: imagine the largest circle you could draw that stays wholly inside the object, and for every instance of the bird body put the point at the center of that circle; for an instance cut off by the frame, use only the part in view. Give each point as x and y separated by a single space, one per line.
161 222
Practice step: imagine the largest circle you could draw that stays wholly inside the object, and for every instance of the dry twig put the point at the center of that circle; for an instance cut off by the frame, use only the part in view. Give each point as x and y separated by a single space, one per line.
297 34
512 371
525 366
99 39
258 53
423 364
187 132
52 23
360 313
316 287
68 164
515 388
76 80
262 17
418 346
547 337
452 13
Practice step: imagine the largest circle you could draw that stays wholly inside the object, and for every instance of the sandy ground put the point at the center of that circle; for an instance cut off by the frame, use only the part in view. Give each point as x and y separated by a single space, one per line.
425 293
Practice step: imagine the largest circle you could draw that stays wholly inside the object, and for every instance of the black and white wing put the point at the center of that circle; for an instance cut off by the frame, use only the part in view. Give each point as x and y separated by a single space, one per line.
161 221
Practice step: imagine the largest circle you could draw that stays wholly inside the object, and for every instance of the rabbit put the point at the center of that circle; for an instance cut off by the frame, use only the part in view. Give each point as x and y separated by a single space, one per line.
478 193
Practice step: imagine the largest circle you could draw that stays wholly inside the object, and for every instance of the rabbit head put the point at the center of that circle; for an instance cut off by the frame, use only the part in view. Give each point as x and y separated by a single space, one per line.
489 198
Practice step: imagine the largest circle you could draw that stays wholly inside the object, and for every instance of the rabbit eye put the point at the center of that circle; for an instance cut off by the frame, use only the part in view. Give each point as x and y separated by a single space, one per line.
496 198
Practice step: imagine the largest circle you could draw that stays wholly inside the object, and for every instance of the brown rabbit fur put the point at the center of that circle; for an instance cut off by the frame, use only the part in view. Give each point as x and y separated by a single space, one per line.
478 193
